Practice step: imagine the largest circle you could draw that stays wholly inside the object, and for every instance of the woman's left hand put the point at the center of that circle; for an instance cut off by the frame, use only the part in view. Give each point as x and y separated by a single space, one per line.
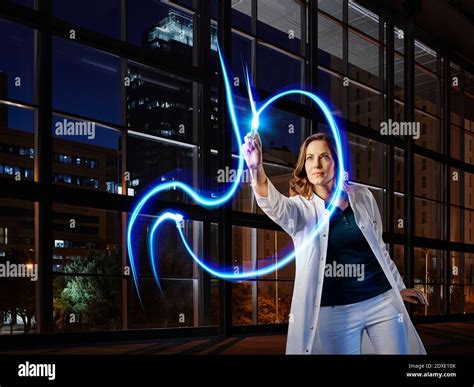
413 296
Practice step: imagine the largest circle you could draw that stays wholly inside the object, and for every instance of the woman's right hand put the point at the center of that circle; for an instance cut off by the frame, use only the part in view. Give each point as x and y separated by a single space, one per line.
252 151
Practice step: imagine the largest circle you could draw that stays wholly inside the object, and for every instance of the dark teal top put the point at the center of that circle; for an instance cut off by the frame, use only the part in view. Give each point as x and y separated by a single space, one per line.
352 272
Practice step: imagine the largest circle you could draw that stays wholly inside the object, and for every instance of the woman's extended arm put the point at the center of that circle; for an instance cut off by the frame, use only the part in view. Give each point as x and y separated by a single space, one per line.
282 210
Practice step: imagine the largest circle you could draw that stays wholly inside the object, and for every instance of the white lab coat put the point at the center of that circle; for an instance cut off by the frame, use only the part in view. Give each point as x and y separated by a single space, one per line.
298 216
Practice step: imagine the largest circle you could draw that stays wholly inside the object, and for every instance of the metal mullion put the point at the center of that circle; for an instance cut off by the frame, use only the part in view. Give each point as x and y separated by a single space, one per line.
127 287
345 58
44 172
204 123
224 159
409 68
447 174
313 62
390 113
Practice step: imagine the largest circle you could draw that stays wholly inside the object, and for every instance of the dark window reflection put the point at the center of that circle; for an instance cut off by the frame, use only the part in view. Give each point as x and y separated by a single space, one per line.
99 16
17 62
162 28
159 104
86 81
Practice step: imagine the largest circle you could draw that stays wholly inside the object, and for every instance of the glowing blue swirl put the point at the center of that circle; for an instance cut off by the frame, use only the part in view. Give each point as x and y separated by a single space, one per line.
226 196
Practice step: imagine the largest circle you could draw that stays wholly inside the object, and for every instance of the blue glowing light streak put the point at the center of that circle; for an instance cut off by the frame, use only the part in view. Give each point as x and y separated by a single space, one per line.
211 202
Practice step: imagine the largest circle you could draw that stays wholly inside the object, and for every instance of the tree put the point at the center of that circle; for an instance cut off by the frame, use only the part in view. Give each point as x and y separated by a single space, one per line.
88 296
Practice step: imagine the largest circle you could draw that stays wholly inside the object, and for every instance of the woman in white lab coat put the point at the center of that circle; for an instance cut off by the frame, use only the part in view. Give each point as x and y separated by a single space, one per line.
348 294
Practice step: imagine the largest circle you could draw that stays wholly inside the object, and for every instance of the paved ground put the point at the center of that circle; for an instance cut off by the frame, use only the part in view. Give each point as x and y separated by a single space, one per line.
440 339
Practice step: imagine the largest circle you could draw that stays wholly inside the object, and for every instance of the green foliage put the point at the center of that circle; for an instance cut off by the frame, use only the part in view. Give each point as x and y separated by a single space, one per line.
88 296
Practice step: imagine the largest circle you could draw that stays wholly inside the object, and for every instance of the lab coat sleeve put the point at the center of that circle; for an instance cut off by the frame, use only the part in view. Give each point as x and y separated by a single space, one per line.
379 229
283 210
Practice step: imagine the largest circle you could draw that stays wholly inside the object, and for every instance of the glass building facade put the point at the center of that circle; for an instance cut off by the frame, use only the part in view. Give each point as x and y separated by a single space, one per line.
145 75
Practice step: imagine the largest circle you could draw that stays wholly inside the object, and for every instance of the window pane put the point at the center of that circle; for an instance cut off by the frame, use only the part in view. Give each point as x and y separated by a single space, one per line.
162 28
367 161
399 214
17 153
363 60
468 189
86 81
456 231
279 23
399 40
86 240
332 7
274 301
426 91
242 14
399 258
241 59
17 74
457 104
363 20
151 162
86 155
399 75
468 235
364 106
425 56
17 244
104 19
429 178
330 89
456 141
242 305
428 218
159 104
329 43
428 133
271 78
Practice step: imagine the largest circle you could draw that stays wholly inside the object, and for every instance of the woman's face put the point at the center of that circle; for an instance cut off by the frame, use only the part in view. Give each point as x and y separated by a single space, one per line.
319 164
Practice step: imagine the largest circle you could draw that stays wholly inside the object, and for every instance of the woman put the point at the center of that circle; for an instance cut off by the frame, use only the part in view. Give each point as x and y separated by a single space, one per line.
348 294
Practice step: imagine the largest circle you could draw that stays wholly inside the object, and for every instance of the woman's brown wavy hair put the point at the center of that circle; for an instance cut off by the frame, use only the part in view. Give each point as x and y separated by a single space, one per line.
299 183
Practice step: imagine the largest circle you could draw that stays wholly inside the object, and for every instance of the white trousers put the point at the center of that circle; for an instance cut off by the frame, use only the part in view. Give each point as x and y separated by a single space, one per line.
341 326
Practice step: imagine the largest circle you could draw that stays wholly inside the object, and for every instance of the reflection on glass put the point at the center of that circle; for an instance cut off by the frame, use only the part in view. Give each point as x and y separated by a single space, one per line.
17 244
86 239
425 56
428 218
272 78
274 301
364 20
430 132
364 106
330 89
367 161
159 104
104 19
329 43
161 27
86 154
152 161
426 91
242 14
363 60
17 73
279 22
331 7
17 152
86 81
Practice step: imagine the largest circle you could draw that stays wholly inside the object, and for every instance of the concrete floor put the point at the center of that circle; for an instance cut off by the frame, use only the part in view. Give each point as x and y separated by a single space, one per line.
454 338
